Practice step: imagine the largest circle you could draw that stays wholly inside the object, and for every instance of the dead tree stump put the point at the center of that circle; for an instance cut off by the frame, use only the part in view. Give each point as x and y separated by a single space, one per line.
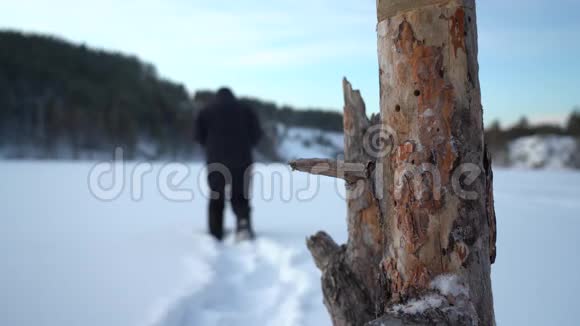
421 220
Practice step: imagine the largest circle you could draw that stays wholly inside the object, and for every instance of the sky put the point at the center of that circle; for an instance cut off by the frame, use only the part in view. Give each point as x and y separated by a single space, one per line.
296 52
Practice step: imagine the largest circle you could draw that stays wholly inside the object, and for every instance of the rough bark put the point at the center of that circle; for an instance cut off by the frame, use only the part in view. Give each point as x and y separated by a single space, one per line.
420 201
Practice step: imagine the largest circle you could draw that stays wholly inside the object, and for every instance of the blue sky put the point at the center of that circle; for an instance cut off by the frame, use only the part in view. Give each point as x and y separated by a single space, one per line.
297 51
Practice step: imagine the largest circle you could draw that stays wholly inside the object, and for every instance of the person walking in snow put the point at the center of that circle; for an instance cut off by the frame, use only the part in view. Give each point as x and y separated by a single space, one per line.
228 131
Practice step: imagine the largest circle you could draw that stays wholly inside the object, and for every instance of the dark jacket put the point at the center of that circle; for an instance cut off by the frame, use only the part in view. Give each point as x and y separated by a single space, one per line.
228 130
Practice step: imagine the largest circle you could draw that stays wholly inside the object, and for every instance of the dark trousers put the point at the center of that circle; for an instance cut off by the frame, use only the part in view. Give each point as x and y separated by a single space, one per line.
239 182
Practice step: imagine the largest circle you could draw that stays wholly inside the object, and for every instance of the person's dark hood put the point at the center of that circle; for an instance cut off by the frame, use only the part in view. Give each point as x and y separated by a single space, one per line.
225 95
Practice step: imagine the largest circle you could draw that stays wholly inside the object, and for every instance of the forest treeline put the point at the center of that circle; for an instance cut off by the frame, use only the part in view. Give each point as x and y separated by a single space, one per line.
60 99
64 100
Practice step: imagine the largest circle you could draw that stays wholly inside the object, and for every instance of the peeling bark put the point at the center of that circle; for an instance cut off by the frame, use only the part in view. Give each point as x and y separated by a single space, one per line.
421 202
429 61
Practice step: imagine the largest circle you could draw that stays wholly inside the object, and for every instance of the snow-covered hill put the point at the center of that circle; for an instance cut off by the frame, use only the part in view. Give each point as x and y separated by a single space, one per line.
552 152
297 143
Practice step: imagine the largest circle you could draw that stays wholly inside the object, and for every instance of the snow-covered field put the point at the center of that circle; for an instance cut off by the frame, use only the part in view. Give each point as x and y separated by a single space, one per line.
68 258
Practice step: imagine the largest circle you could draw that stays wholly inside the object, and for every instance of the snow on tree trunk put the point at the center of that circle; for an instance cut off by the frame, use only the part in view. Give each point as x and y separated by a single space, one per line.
421 220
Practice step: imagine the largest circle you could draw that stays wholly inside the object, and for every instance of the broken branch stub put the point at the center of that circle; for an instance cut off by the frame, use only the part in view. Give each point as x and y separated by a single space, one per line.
350 172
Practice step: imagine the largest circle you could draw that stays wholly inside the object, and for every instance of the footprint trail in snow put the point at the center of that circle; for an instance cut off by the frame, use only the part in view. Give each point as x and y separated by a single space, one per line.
250 283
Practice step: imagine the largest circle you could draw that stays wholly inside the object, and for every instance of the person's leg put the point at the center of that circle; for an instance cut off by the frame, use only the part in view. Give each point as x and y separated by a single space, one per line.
216 183
240 200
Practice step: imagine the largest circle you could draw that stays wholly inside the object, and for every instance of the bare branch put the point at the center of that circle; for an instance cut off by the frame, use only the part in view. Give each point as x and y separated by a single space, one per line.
350 172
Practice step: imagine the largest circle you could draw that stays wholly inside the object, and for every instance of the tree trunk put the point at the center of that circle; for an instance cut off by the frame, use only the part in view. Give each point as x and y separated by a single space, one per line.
421 220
